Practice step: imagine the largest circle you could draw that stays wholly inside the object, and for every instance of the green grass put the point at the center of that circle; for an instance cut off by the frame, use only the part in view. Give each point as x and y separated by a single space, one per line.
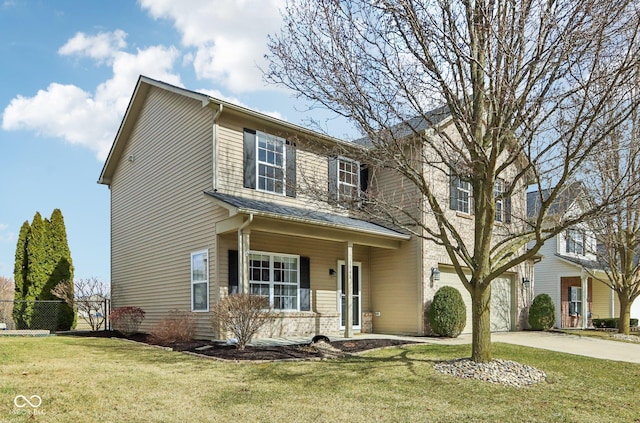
109 380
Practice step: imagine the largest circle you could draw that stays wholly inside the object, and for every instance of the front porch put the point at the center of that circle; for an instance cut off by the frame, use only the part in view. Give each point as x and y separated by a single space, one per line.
314 266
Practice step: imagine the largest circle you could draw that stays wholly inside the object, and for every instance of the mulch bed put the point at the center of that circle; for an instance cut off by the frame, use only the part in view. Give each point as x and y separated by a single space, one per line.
258 353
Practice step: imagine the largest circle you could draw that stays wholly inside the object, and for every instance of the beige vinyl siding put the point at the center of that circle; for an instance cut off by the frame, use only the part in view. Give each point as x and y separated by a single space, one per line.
601 301
158 212
395 293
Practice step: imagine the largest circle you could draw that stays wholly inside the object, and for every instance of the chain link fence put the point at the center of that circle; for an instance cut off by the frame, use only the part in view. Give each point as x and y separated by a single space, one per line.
47 315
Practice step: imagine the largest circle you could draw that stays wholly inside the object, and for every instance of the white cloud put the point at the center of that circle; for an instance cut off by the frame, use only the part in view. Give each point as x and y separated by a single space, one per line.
84 118
230 37
103 46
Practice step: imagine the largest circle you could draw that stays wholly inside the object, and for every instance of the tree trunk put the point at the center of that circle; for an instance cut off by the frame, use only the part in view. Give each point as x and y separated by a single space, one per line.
481 317
625 316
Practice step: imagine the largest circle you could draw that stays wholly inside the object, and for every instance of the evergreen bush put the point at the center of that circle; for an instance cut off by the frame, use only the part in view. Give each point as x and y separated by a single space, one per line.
448 314
542 313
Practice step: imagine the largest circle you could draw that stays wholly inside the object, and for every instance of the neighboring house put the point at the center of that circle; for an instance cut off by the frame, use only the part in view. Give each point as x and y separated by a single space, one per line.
569 271
207 199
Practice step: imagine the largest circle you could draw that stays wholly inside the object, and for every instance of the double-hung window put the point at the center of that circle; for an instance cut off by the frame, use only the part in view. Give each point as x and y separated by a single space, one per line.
348 180
460 195
271 163
575 241
277 277
200 281
498 193
575 300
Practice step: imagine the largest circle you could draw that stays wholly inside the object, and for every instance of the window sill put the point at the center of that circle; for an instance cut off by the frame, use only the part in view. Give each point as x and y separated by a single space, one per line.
464 215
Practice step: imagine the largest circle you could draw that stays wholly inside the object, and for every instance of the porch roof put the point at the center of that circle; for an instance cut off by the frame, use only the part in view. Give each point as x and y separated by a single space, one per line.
592 265
241 205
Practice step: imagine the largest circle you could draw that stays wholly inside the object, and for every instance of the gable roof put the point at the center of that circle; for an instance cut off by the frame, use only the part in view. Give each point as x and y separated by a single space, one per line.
137 100
592 265
268 209
417 124
561 204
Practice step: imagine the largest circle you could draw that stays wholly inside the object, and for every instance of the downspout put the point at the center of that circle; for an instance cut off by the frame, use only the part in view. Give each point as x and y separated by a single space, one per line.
214 149
243 252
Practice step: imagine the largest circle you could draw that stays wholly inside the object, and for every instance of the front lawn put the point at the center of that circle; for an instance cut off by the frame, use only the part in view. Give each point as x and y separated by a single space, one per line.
110 380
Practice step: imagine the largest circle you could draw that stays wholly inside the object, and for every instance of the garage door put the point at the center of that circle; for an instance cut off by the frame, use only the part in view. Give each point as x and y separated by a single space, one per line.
500 300
501 304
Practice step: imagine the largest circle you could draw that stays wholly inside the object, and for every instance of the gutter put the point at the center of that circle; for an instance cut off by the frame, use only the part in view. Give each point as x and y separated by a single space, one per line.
214 148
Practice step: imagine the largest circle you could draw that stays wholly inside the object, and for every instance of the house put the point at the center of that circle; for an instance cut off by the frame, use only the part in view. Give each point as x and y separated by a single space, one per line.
569 271
207 199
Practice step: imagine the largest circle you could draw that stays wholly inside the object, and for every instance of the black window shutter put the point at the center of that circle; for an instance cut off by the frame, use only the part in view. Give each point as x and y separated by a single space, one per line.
233 272
249 158
305 284
507 206
333 178
364 178
453 192
291 169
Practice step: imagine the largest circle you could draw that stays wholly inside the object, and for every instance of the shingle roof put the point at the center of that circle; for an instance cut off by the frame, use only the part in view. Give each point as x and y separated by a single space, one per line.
587 264
559 206
322 218
414 125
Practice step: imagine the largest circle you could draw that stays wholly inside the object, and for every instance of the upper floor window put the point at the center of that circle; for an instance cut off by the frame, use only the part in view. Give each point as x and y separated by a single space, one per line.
498 193
347 179
575 241
269 163
460 195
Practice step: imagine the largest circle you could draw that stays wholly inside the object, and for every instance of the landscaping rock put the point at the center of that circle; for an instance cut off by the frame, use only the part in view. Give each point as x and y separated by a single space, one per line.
503 372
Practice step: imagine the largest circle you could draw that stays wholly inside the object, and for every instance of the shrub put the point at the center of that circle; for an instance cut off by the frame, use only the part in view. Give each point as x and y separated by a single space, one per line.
242 315
126 319
612 323
179 326
448 314
542 313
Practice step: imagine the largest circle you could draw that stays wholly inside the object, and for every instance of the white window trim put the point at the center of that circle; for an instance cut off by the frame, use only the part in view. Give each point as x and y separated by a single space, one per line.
571 240
463 190
259 162
339 291
271 282
195 253
340 183
499 198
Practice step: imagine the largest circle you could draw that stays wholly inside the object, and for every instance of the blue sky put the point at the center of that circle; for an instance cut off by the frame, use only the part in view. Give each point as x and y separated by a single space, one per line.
69 70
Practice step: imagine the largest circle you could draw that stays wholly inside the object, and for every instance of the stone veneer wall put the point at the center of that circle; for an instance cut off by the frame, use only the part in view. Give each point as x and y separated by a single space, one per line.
301 324
366 325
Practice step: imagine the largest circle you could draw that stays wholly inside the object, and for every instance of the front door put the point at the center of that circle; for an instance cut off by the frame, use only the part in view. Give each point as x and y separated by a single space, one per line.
356 294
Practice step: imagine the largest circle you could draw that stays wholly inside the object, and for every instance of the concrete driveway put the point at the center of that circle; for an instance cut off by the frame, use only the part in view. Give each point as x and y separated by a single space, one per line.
572 344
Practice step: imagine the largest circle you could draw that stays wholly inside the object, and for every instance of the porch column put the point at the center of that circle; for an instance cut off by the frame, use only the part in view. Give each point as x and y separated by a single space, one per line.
348 290
243 260
585 304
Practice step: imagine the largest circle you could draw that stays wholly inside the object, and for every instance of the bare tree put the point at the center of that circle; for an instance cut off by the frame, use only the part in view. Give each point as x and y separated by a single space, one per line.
617 232
7 290
242 315
522 86
88 297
